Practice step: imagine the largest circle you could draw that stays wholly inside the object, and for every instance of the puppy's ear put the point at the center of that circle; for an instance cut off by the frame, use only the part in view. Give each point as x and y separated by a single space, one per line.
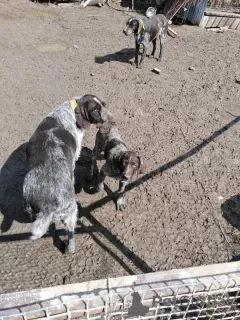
142 166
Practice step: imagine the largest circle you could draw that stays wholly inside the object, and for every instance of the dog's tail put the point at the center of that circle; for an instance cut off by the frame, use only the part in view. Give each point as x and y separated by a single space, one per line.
41 225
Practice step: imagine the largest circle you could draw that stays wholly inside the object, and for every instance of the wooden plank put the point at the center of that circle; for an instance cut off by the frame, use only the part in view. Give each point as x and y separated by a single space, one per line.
204 21
221 14
210 22
216 22
238 27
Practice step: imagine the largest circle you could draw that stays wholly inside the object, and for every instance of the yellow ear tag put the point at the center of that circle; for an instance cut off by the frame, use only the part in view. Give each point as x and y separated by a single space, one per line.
73 103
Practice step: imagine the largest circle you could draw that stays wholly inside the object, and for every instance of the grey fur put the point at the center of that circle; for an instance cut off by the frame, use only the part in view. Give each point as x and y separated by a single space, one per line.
52 151
153 28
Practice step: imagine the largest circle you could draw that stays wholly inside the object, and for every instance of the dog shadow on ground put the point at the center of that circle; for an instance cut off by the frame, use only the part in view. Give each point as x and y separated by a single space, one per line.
11 188
231 212
124 55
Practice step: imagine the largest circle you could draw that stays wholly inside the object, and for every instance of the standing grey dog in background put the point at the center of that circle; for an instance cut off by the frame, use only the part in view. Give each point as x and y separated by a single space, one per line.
147 30
52 151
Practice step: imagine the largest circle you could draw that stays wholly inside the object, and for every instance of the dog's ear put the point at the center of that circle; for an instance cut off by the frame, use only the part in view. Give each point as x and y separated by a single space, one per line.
90 110
96 111
142 166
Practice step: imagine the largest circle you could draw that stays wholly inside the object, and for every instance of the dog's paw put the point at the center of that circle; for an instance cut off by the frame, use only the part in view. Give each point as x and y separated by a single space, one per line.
69 249
120 204
33 237
101 187
151 56
139 66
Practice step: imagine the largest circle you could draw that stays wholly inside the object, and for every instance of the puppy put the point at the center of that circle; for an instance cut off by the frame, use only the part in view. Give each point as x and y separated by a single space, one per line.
52 151
147 30
120 164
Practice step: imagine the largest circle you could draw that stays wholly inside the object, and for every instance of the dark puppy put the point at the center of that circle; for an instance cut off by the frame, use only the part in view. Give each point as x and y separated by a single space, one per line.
147 30
52 151
120 164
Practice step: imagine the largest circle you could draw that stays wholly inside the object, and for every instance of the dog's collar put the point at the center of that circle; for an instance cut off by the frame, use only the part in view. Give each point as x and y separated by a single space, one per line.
140 26
73 104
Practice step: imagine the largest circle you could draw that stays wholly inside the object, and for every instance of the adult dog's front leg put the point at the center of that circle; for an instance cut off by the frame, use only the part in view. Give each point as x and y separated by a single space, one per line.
143 55
93 163
120 195
137 53
161 38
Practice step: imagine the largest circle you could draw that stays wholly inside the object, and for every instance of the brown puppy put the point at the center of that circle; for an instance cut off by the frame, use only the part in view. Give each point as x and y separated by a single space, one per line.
121 164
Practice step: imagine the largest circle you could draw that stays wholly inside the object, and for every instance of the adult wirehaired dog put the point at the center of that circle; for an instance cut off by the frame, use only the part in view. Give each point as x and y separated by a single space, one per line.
52 151
147 30
121 164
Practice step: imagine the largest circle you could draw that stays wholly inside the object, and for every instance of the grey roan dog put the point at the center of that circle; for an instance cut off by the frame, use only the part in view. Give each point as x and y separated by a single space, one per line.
120 164
147 30
52 151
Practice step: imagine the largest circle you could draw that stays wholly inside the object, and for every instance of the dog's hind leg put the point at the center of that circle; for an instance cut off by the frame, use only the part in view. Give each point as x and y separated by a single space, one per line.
154 48
161 38
41 225
70 223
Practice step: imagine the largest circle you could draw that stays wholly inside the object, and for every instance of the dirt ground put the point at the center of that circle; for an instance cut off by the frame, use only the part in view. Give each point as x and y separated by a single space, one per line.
185 124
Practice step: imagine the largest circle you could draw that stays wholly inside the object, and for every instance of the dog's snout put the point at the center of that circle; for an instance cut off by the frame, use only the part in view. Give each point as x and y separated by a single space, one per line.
125 177
126 31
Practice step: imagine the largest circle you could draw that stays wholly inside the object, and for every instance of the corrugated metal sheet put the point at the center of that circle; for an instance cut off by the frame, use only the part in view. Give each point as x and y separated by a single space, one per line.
196 11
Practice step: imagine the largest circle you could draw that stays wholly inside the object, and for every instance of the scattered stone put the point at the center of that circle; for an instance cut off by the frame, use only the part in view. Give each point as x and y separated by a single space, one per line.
192 68
87 27
222 29
75 46
237 78
156 70
92 74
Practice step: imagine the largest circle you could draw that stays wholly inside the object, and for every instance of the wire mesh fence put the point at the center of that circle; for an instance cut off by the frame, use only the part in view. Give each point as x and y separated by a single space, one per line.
158 296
